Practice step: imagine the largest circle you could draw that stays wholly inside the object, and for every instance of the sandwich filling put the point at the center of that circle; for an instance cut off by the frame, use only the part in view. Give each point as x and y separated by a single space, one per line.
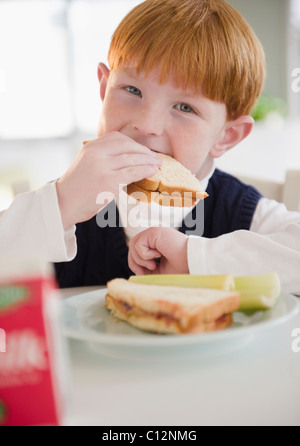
172 185
152 321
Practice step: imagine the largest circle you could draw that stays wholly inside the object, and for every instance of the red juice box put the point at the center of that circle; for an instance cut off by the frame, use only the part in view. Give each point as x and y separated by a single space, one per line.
31 354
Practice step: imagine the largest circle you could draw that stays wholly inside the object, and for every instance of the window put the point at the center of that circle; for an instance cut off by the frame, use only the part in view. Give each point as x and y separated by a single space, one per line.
35 91
48 64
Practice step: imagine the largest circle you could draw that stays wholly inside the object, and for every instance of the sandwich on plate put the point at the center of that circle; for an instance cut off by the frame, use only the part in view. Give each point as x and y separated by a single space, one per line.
168 309
172 185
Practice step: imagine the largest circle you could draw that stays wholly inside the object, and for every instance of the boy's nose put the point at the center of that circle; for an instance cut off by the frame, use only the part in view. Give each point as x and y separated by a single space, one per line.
148 122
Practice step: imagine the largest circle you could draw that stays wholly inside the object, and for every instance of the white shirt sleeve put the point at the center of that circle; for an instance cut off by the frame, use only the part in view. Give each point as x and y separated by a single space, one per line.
32 226
271 244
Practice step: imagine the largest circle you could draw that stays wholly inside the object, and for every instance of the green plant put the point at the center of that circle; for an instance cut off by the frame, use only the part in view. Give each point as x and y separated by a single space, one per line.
268 104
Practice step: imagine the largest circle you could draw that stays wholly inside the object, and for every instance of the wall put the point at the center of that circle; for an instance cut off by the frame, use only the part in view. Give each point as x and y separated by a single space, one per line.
269 20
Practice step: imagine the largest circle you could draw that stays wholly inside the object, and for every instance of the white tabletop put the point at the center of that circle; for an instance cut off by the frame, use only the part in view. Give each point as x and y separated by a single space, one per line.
256 384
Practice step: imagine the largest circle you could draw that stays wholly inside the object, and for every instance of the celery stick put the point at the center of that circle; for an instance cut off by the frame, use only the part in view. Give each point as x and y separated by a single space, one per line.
217 281
269 282
255 300
258 292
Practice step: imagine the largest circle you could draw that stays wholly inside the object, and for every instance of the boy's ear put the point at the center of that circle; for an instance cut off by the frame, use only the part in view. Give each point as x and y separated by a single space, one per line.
234 132
103 74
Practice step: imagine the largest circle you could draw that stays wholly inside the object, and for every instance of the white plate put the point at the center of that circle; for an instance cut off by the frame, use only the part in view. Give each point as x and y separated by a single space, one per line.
86 318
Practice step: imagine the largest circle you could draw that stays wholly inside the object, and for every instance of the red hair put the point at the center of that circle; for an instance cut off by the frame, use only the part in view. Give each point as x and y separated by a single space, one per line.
202 45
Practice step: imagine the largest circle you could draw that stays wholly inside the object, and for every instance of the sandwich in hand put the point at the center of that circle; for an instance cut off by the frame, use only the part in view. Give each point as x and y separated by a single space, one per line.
172 185
168 309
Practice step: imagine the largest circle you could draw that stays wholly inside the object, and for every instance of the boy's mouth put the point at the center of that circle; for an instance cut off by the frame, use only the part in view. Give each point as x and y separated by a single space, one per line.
155 150
159 151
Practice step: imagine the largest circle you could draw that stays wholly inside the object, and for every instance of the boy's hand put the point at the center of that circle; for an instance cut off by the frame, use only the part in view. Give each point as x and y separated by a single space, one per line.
166 244
101 166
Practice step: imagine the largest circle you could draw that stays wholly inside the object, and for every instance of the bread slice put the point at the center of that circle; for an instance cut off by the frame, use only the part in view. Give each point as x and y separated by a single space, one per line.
172 185
164 309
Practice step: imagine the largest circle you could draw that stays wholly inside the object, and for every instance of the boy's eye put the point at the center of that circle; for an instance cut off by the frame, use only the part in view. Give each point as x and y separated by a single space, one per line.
184 108
134 90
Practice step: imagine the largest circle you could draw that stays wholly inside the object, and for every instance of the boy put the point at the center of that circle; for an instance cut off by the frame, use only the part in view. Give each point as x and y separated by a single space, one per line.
183 78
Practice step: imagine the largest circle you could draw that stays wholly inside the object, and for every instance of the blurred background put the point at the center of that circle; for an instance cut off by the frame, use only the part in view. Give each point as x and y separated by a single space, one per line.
49 95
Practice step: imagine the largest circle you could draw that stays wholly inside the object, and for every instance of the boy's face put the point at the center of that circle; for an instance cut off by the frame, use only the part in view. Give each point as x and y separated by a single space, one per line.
188 127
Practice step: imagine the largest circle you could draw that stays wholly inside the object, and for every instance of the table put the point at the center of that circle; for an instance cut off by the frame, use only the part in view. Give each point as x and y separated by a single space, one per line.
258 384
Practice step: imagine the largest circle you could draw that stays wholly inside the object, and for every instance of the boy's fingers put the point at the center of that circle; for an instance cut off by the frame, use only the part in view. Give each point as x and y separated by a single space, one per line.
142 251
116 144
146 263
142 256
128 160
145 253
146 268
135 267
131 148
141 267
136 173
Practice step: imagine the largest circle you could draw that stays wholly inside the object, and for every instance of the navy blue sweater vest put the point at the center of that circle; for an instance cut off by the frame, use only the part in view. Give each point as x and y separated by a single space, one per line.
102 252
